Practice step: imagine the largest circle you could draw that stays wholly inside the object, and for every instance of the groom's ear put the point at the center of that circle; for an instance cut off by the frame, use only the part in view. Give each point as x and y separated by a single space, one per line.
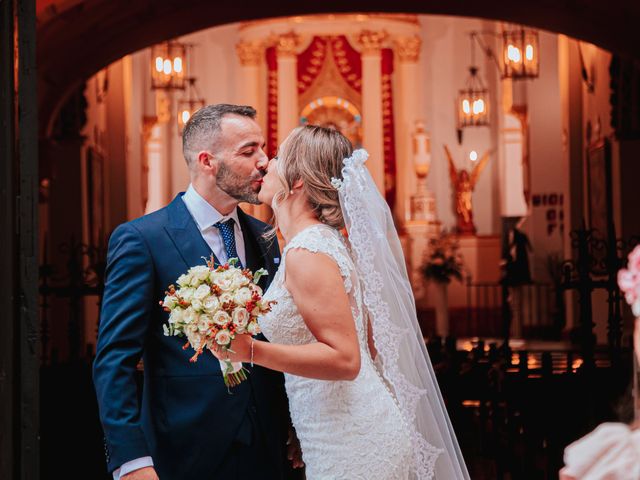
207 161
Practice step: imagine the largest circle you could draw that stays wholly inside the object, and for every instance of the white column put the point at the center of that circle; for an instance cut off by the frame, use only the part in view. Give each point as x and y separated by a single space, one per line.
159 154
287 84
372 132
407 50
250 54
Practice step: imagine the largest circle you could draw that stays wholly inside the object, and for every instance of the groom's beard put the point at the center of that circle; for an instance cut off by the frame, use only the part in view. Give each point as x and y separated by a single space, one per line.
236 186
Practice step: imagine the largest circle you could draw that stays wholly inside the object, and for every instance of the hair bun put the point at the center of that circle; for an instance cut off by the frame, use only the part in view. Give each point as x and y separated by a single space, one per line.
332 215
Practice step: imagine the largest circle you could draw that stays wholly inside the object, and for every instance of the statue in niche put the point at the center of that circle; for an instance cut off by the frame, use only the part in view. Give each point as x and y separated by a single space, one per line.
463 183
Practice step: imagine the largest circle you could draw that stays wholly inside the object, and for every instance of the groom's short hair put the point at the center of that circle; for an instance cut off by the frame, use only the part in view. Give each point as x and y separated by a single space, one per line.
200 131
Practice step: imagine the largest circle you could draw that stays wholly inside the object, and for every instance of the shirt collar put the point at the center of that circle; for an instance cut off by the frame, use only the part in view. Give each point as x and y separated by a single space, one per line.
205 214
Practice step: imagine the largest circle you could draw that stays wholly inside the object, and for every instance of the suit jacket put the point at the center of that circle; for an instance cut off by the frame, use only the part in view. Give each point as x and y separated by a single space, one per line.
185 418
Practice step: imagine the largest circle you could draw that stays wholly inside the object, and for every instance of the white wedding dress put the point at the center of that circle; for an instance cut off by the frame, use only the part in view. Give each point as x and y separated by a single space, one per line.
347 429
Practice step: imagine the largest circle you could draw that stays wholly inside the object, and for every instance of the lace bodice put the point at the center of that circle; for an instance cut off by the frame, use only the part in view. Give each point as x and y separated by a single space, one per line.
286 326
347 429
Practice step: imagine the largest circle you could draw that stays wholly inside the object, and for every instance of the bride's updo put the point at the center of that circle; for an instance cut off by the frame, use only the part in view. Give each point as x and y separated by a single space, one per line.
314 155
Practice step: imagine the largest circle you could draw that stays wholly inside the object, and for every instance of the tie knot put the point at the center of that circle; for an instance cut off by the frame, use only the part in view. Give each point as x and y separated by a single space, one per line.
226 225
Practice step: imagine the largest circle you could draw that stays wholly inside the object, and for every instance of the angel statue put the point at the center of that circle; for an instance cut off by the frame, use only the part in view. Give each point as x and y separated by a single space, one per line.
463 184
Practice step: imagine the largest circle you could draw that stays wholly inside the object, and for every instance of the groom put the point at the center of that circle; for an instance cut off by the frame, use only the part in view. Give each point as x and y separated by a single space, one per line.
186 425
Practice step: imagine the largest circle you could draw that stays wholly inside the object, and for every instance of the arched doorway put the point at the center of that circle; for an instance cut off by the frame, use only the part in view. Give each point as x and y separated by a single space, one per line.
77 38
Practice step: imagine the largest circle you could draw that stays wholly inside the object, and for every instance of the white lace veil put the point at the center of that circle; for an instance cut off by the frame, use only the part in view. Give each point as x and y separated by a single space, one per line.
402 355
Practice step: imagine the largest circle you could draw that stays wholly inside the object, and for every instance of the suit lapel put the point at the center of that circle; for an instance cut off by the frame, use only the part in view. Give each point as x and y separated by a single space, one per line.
185 234
256 249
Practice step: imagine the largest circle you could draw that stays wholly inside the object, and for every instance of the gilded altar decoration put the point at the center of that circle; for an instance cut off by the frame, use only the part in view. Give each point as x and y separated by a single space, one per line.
464 183
371 41
287 44
250 52
408 48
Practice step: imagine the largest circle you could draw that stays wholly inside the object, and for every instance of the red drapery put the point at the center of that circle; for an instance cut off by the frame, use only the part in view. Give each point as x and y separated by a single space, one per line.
272 102
310 63
348 61
388 127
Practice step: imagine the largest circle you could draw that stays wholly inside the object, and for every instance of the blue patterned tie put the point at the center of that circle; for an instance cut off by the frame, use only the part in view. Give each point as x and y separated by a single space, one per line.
229 239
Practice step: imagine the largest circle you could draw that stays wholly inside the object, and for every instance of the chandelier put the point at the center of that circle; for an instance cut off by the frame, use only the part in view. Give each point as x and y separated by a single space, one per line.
520 53
190 104
168 65
473 102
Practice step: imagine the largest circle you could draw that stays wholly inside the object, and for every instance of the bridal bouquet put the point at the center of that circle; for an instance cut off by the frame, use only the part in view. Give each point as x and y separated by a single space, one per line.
211 306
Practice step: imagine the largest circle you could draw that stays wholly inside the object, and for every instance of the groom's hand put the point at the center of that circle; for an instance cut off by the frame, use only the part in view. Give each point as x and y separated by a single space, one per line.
146 473
294 453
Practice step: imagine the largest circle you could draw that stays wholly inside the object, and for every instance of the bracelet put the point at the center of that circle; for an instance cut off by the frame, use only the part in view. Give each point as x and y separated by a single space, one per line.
252 342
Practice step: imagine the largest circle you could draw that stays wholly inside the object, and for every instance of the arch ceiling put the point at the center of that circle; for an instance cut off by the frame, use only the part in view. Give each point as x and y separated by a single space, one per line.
76 38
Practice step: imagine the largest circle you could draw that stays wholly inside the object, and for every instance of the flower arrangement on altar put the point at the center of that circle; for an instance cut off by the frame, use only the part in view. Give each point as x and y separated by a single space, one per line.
444 260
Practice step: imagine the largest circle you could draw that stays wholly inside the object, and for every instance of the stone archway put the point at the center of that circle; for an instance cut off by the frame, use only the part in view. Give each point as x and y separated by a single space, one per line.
76 38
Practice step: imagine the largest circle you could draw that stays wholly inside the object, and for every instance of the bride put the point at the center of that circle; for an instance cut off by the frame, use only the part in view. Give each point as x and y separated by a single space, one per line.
362 393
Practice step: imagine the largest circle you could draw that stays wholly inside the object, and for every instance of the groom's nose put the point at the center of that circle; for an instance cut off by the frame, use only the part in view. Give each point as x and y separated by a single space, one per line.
263 161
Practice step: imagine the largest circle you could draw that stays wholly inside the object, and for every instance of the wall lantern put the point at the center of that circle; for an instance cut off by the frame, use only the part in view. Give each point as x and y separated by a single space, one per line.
473 102
520 53
168 65
190 104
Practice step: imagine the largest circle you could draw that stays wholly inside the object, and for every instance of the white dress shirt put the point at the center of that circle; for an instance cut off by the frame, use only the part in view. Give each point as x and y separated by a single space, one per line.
205 216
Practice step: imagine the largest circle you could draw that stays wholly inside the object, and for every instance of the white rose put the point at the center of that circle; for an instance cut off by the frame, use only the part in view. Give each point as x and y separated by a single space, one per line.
200 273
253 328
226 297
204 322
223 337
211 303
170 302
184 280
242 296
194 337
190 316
224 280
186 293
221 318
240 318
176 316
196 304
202 291
240 280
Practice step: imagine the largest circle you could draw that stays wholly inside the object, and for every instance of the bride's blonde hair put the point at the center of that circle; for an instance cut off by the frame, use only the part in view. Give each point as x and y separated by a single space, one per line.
314 155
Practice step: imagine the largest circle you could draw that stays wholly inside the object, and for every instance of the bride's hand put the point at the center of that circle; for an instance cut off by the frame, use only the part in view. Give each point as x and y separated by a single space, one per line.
241 346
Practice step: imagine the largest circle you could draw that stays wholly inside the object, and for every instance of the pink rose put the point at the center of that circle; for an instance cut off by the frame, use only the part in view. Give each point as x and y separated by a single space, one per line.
634 260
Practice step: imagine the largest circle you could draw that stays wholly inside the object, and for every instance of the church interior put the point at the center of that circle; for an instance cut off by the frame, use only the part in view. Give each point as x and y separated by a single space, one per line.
504 141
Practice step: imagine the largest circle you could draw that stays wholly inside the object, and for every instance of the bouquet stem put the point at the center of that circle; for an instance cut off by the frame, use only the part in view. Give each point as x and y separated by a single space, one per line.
233 373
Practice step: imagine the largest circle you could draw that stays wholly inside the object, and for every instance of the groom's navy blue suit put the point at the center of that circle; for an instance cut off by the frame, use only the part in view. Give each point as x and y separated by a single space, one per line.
185 420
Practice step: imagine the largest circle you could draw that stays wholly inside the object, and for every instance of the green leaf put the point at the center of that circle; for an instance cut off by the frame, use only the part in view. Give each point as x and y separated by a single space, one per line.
259 274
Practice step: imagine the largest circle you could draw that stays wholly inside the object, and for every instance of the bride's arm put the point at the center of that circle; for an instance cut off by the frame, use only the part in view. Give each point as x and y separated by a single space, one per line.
317 288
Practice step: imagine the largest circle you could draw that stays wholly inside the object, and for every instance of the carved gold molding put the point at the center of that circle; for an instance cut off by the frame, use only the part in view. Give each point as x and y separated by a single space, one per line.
287 44
408 48
250 52
371 41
